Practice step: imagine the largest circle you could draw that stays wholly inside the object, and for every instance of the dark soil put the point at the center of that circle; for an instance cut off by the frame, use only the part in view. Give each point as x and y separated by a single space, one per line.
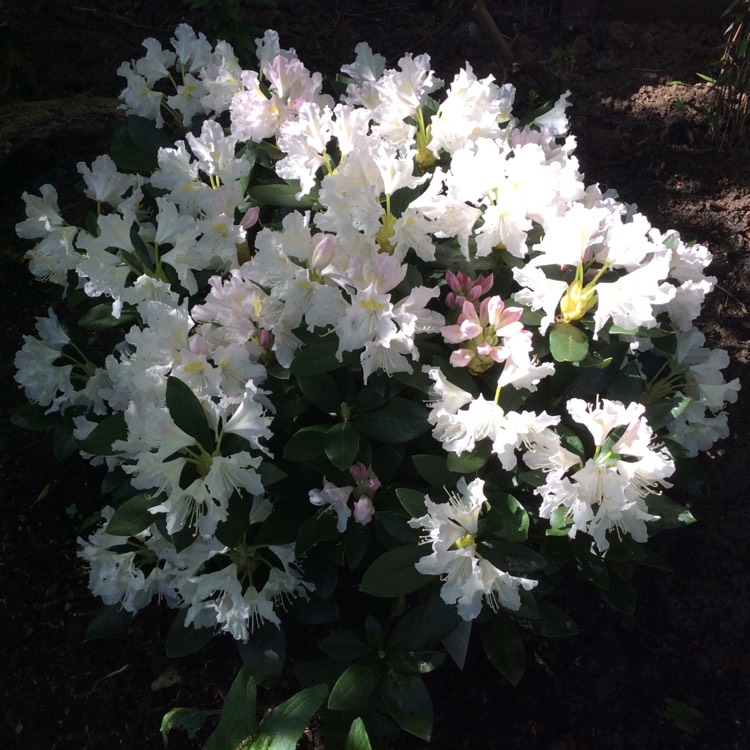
676 674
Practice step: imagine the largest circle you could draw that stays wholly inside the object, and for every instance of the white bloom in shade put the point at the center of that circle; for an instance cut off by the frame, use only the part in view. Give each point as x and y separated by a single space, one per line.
451 530
609 490
42 214
44 382
249 420
104 183
337 498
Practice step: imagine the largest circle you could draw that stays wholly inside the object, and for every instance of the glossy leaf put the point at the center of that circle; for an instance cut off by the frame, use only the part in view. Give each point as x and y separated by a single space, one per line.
553 622
341 444
34 417
568 343
100 318
504 648
394 574
99 441
305 444
133 516
108 621
412 501
354 688
357 738
507 518
511 557
187 412
281 194
408 702
346 645
238 723
183 640
320 390
399 421
283 727
189 719
264 653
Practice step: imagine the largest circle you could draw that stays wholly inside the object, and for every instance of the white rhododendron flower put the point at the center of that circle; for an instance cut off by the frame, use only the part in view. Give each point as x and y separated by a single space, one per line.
451 528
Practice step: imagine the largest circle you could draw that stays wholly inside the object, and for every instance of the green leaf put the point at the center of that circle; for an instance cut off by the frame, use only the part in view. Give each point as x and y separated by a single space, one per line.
567 343
282 194
189 719
345 645
394 574
504 648
412 501
283 727
64 445
408 702
318 357
238 722
320 527
320 390
183 640
511 557
415 662
341 444
620 594
187 412
424 625
507 518
100 318
305 444
357 739
434 470
399 421
107 621
468 463
99 441
672 515
553 622
33 417
133 516
264 653
354 688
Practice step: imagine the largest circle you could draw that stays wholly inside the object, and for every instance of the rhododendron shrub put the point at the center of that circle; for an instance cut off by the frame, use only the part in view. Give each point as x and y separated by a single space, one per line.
389 339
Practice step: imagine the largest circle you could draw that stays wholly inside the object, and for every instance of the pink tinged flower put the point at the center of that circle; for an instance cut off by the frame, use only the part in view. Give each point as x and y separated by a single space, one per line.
250 219
363 511
337 498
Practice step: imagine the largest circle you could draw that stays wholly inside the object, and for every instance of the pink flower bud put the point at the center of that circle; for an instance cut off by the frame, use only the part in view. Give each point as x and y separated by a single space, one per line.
323 253
197 344
251 217
363 511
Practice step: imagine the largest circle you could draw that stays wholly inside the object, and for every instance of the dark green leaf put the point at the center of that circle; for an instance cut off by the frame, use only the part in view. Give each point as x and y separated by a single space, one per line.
412 501
510 557
305 444
468 463
282 194
507 518
264 653
100 318
320 390
415 662
409 703
189 719
183 640
320 527
357 739
318 357
423 626
567 343
672 515
283 727
99 440
341 444
187 412
33 417
399 421
108 621
238 722
345 645
133 516
434 470
394 574
64 445
553 622
354 688
504 647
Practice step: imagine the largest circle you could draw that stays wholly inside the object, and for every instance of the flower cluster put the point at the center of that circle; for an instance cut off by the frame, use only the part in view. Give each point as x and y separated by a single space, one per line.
307 315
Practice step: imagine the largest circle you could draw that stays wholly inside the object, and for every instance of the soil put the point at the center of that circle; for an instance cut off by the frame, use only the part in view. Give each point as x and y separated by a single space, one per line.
675 674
